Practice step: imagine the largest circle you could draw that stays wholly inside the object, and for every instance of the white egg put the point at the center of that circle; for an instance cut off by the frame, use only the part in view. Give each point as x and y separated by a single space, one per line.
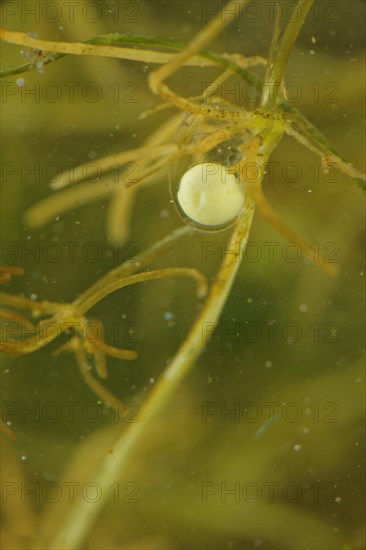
210 195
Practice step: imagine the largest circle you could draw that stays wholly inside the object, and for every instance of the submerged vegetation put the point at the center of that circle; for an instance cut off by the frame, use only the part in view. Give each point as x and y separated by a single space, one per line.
244 137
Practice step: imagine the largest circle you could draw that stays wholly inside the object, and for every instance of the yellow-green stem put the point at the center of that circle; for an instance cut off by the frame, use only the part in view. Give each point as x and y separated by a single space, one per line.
272 86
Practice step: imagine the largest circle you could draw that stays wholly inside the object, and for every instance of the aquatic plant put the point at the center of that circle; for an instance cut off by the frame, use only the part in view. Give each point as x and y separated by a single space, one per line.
212 123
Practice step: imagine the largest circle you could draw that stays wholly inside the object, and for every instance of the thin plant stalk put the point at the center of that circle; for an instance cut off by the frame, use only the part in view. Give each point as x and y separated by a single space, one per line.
70 316
107 289
101 46
64 314
272 86
83 514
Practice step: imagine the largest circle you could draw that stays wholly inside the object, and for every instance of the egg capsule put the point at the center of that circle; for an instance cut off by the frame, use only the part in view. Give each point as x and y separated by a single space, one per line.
210 196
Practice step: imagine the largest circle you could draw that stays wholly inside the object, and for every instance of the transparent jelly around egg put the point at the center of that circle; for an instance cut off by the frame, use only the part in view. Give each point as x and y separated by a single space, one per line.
208 194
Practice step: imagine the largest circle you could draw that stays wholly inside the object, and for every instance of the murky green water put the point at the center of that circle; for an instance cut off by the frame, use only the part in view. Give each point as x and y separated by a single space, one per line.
262 446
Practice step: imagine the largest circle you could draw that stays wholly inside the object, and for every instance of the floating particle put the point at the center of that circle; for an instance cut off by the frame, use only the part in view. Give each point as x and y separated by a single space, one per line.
168 315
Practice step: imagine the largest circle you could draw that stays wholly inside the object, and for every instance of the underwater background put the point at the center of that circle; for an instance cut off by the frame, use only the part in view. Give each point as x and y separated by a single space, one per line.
262 446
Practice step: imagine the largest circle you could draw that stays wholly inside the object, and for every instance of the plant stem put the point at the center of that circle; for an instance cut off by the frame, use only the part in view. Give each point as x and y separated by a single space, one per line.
107 289
83 513
272 85
134 264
